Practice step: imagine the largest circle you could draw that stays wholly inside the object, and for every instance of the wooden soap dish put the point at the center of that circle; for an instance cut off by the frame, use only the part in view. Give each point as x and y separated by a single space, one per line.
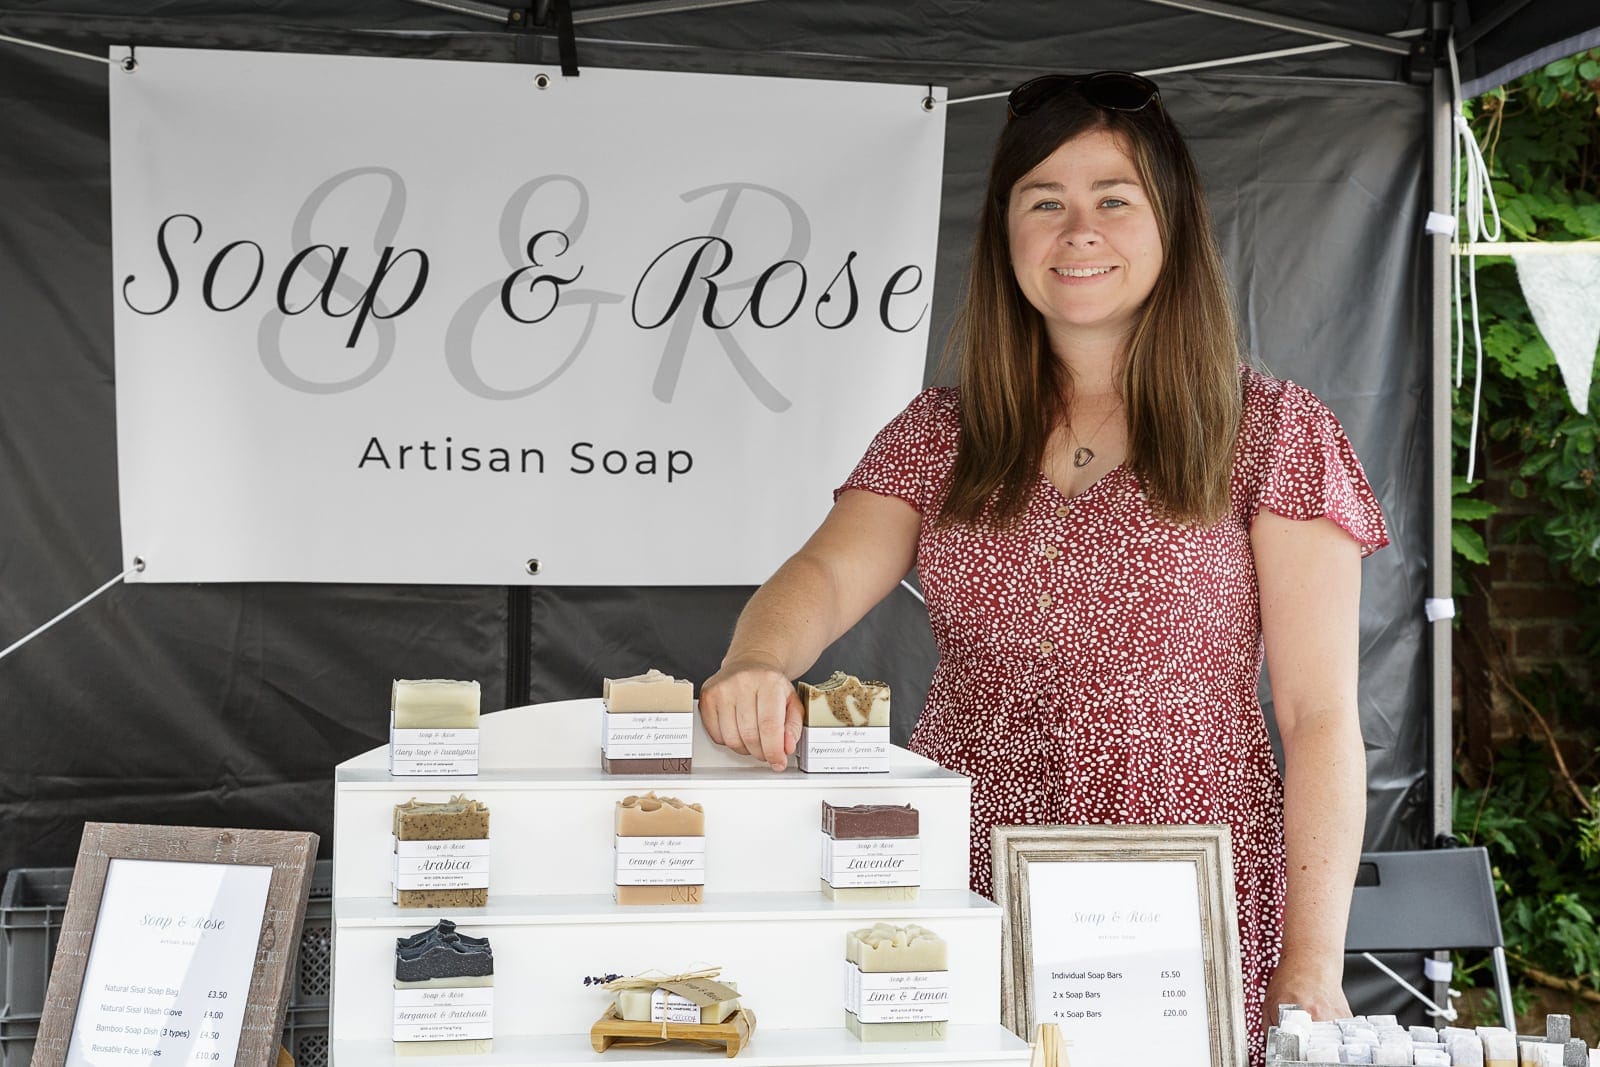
613 1030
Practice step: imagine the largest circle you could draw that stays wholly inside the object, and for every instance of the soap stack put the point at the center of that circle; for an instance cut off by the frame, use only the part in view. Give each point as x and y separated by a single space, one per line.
660 851
846 727
648 726
897 984
443 992
682 999
441 854
433 727
1380 1040
870 852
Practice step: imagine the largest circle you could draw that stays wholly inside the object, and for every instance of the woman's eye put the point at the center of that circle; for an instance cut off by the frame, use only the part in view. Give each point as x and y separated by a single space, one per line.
1113 201
1047 205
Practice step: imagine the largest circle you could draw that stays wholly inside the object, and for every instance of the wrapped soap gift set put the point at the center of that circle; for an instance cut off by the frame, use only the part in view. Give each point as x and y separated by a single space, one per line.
1297 1041
468 908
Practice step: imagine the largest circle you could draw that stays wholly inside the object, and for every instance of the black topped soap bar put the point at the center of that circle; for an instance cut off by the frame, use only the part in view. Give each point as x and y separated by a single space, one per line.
441 952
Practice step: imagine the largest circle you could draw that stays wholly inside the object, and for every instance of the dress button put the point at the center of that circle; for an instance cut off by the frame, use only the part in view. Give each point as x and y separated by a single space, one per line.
1047 646
1051 552
1045 600
1062 511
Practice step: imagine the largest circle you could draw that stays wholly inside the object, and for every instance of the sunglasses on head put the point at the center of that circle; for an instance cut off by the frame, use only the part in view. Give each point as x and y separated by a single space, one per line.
1114 90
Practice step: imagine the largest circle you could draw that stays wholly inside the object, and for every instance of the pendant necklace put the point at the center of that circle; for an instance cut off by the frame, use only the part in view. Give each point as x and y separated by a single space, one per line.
1083 455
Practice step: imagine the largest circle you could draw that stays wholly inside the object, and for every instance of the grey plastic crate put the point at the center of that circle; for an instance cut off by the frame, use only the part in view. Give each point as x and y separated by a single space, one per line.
32 904
305 1035
16 1041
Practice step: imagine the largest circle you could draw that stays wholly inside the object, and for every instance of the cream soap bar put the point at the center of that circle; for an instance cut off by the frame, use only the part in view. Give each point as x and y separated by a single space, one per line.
436 703
433 728
896 984
934 1030
441 854
885 947
648 727
660 851
650 691
846 727
662 1005
845 701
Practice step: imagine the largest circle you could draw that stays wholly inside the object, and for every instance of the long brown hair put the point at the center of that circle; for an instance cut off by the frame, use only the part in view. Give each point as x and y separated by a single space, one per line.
1180 382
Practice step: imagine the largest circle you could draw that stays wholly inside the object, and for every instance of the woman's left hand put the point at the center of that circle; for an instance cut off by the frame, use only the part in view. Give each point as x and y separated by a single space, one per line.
1311 985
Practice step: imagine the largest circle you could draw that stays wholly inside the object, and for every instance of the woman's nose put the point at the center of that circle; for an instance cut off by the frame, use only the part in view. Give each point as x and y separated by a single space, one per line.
1077 229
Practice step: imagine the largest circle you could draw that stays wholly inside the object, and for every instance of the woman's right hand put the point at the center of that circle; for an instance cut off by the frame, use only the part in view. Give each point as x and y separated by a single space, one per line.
752 708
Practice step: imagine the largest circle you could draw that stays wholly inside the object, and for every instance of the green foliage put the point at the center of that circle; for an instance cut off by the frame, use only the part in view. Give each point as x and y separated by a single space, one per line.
1542 139
1545 858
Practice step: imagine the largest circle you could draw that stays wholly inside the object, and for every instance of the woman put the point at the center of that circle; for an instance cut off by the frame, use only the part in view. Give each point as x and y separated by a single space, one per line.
1109 518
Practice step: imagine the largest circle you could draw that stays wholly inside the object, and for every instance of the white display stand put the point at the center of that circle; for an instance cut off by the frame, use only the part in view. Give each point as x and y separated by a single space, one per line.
552 921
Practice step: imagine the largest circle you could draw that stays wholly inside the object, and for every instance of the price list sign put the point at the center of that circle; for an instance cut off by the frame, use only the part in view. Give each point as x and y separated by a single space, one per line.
1118 960
169 970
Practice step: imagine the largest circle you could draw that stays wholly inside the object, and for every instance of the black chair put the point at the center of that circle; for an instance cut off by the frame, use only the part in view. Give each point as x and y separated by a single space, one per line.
1424 902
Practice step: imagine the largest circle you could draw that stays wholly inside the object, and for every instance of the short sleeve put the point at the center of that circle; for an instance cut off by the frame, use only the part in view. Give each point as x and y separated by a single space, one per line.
905 458
1312 471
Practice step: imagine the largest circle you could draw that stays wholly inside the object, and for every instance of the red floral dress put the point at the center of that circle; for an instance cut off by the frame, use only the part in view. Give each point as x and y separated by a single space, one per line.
1099 665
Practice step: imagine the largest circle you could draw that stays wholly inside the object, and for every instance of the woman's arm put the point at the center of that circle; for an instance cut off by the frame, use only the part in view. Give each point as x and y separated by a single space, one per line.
859 553
1309 574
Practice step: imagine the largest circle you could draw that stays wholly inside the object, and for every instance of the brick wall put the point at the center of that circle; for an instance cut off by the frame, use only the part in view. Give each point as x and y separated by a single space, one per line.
1518 615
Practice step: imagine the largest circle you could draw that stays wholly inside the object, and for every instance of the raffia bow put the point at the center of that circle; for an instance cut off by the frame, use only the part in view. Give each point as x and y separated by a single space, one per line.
651 979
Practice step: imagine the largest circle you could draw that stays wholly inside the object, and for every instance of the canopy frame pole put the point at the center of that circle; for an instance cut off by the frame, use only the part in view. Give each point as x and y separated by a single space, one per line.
1439 572
1359 38
502 15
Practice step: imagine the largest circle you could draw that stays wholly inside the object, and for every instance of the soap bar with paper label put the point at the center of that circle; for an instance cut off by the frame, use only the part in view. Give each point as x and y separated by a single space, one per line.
648 727
846 726
443 993
715 1002
897 985
660 851
441 854
433 728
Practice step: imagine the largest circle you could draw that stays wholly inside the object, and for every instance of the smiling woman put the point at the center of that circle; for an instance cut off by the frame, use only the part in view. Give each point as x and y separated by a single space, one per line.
1112 517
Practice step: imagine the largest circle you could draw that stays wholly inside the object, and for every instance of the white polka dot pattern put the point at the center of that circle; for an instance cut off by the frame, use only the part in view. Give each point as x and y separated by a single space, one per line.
1099 665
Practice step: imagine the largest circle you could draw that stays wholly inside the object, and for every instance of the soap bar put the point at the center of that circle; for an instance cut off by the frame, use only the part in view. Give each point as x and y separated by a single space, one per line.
884 947
439 954
667 858
653 816
869 821
929 1031
443 1048
458 819
634 1005
438 703
677 765
843 700
648 727
650 691
660 894
875 894
443 992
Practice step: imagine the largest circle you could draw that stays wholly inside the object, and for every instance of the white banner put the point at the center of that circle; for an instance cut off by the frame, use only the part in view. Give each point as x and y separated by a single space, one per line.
395 320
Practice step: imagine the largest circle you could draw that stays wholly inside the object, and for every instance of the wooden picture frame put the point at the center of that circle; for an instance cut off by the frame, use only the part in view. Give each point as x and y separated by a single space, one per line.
1030 861
216 854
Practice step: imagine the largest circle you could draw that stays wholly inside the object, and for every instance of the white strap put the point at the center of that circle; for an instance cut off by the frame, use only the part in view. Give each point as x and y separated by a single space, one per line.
1438 608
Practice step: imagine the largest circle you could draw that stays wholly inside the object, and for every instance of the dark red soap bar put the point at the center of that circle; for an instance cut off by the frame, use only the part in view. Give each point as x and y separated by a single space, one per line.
869 820
675 765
